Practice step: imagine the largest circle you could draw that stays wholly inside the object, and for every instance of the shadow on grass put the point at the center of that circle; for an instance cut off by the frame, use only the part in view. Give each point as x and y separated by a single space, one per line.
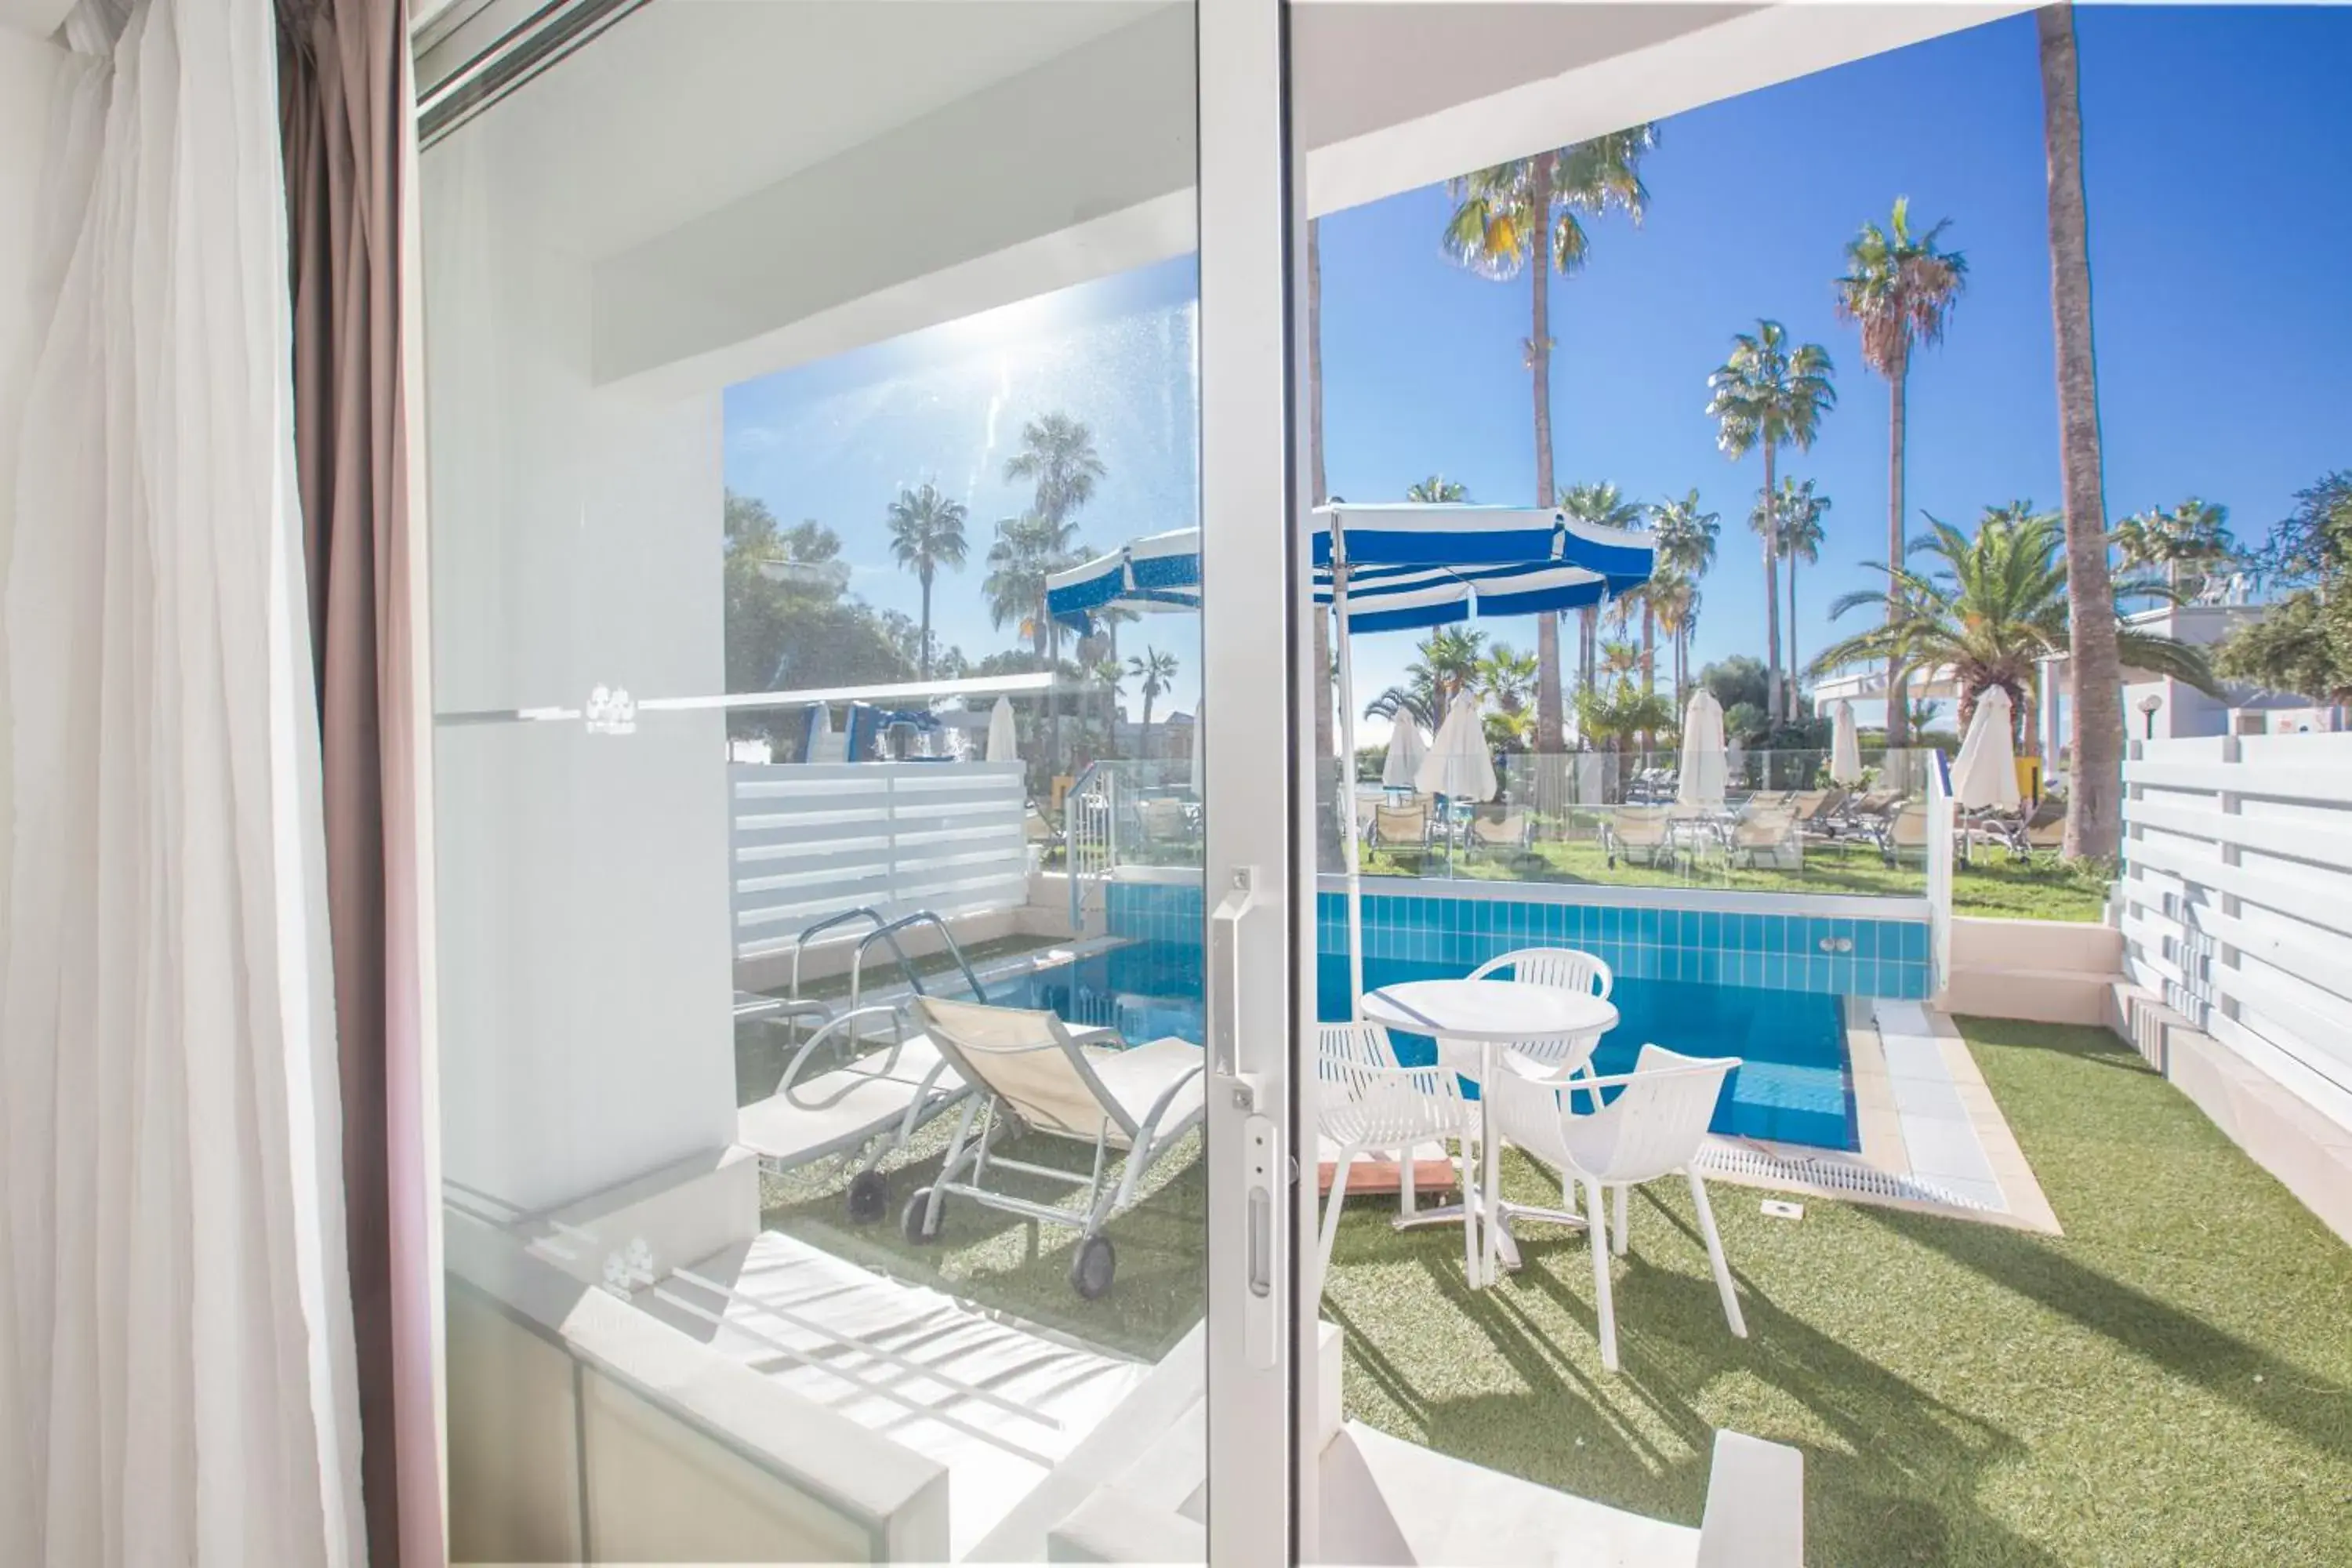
1010 1264
2313 1410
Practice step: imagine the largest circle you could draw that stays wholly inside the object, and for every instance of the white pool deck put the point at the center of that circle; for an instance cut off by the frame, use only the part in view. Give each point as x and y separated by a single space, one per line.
1934 1140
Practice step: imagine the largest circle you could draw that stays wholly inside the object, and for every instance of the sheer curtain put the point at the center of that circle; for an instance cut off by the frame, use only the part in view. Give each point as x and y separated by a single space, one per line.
176 1377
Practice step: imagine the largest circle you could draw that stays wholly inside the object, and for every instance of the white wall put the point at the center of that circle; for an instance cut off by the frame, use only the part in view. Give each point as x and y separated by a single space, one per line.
28 70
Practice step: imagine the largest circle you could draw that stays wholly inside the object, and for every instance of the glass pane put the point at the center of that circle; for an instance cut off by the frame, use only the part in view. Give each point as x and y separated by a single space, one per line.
820 1112
1608 682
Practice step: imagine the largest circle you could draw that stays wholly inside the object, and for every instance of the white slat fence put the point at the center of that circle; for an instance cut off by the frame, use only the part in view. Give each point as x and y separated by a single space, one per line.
2237 895
813 839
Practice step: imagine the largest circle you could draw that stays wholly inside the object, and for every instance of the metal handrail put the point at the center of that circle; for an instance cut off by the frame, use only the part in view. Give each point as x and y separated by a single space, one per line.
888 934
1077 800
864 911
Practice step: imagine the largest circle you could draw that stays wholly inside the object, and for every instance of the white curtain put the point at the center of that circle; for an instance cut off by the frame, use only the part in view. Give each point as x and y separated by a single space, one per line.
175 1359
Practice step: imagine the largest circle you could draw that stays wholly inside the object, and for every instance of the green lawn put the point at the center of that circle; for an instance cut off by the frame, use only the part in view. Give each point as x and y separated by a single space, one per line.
2169 1383
1992 885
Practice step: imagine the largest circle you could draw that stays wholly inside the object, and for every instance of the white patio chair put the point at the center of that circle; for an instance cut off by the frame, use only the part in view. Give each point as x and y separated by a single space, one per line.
1366 1104
1030 1067
1562 969
1650 1128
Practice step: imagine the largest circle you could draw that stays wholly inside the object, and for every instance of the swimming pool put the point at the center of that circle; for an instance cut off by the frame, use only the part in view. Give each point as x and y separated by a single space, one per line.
1795 1085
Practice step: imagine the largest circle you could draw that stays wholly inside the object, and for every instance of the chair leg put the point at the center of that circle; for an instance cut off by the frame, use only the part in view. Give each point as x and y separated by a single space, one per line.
1618 1225
1714 1258
1331 1219
1469 1219
1407 1199
1596 1213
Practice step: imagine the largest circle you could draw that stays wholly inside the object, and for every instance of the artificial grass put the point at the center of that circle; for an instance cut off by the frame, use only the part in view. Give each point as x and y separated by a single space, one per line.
2170 1381
1991 885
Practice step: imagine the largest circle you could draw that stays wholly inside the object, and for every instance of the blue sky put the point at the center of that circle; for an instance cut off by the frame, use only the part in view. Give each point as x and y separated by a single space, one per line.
2218 146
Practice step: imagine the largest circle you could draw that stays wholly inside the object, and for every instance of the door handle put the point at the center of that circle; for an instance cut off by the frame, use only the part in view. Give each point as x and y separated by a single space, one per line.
1225 953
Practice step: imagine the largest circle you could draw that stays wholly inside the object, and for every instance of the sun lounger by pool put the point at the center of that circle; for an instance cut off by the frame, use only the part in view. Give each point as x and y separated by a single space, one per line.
1767 837
1395 826
1643 833
1500 827
1030 1069
856 1111
1904 833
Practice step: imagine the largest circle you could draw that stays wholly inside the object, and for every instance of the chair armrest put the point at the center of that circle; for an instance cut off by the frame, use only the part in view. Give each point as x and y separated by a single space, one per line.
1755 1505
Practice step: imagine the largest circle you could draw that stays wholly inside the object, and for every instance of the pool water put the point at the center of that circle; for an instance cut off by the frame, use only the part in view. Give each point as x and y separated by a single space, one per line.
1794 1085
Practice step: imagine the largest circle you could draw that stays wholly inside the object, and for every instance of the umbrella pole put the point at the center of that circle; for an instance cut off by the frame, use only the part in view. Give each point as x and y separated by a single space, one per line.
1347 802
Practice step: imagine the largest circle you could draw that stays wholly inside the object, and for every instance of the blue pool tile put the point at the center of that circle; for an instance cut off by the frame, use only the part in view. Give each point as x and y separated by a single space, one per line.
1866 937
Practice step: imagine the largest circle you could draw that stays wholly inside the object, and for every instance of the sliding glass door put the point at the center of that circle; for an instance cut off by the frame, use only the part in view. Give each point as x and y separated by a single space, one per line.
866 980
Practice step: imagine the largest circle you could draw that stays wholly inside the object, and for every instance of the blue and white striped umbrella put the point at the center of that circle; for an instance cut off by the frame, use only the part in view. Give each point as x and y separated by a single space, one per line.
1407 566
1410 566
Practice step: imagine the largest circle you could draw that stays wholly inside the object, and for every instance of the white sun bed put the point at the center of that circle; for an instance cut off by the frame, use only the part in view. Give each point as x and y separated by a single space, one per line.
1029 1067
859 1110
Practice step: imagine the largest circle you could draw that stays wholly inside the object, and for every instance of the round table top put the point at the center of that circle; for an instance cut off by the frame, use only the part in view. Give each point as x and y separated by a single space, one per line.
1503 1010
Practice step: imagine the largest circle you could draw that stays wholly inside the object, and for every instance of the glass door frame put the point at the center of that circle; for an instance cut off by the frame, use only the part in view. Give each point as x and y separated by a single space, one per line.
1259 874
1257 748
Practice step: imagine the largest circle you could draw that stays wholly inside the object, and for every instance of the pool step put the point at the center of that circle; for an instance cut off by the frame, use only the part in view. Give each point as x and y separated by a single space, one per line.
2042 972
2035 996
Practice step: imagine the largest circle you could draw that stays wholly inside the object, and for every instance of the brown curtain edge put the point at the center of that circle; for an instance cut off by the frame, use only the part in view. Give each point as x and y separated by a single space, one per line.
348 124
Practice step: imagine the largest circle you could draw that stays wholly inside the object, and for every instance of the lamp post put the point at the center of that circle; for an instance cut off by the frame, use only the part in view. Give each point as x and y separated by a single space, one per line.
2149 705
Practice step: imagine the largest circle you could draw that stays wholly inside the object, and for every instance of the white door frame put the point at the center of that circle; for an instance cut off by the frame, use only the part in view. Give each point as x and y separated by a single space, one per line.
1258 758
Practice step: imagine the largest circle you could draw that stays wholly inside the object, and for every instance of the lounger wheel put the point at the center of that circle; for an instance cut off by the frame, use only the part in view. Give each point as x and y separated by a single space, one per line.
914 1220
1091 1270
869 1196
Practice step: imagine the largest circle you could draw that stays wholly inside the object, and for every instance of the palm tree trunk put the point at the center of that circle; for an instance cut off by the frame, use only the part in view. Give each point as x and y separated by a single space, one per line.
1649 649
1793 665
1547 709
1898 716
1773 697
2094 800
923 651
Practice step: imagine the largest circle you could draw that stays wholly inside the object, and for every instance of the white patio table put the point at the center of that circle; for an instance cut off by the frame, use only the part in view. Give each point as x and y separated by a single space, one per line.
1490 1013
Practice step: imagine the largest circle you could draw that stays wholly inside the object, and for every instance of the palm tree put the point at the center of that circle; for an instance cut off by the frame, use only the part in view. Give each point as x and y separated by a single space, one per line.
1507 679
2195 534
1900 289
1027 551
1108 673
1602 506
1510 214
1769 396
1448 664
2095 801
1799 512
1438 488
1992 605
1686 537
1058 453
1157 671
927 533
1618 713
1674 598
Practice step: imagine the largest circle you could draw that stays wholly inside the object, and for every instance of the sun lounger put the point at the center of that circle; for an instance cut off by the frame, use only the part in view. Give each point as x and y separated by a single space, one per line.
1767 837
1396 826
859 1110
1904 833
2019 832
1500 827
1643 833
1029 1069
